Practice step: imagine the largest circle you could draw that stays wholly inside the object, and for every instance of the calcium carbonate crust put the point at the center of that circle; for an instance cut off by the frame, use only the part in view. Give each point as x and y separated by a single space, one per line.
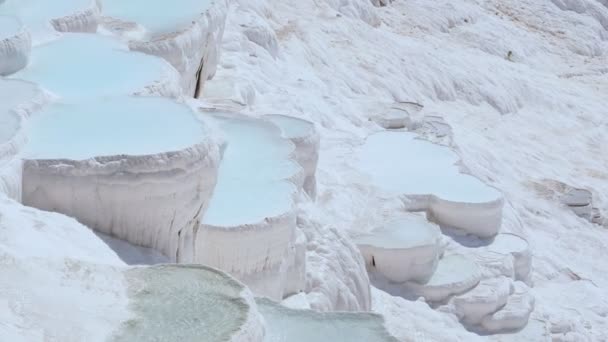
480 219
193 51
10 173
254 253
83 20
153 200
14 49
306 150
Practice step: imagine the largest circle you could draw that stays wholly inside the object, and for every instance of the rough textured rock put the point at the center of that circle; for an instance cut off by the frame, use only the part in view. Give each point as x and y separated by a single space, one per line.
514 315
485 299
153 200
335 271
455 274
192 46
18 99
407 249
249 230
44 18
306 139
15 45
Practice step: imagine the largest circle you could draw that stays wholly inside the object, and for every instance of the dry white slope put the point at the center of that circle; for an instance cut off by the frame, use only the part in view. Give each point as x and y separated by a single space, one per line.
522 84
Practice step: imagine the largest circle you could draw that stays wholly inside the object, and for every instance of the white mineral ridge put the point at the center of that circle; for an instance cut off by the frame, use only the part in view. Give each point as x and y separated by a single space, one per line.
80 66
188 303
39 247
44 18
414 321
455 274
249 227
508 117
297 325
18 99
428 175
405 249
187 34
15 45
398 115
513 315
485 299
518 248
151 186
305 137
336 279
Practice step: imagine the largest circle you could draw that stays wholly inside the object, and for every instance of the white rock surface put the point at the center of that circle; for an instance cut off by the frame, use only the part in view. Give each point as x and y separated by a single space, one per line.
514 315
428 177
336 279
485 299
406 249
398 115
15 45
115 303
38 247
150 188
284 324
81 66
18 99
455 274
44 18
305 137
186 34
249 228
518 248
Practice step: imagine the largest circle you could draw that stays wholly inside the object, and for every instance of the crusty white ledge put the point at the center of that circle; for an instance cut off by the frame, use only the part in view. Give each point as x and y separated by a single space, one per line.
427 178
305 137
249 229
191 46
406 249
44 18
149 199
18 99
15 45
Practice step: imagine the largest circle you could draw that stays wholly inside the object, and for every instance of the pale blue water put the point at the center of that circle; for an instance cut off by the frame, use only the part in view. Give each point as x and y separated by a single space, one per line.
123 125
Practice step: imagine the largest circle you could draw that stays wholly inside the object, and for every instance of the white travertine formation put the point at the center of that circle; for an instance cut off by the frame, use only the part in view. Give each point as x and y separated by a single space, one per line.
407 249
189 303
485 299
43 18
249 228
399 115
455 274
304 136
187 34
297 325
81 66
18 99
514 314
15 45
518 248
427 178
125 176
